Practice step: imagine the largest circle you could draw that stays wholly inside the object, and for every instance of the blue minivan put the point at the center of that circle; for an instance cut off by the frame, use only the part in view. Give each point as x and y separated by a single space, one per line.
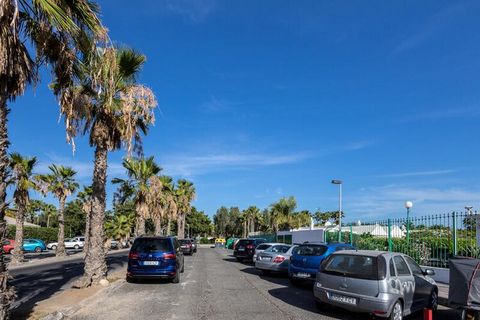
307 257
155 257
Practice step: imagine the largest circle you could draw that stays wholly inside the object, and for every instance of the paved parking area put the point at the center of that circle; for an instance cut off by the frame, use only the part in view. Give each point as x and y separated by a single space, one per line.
216 286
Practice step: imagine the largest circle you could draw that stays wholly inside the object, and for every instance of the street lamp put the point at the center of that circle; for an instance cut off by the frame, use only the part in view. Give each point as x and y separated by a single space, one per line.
339 182
408 206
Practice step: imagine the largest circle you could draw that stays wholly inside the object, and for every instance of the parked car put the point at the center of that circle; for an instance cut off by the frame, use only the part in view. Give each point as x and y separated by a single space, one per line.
276 258
389 285
260 248
34 245
245 248
8 246
73 243
155 257
194 245
306 258
186 246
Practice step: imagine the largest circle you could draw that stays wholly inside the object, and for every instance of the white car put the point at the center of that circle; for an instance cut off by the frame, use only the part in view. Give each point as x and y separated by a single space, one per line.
74 243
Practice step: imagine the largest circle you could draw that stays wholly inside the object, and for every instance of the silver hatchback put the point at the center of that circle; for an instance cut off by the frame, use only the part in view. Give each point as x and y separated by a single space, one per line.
386 284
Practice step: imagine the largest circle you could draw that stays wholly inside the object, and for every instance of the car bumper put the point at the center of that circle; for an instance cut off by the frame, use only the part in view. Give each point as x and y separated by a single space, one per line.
143 274
381 305
270 266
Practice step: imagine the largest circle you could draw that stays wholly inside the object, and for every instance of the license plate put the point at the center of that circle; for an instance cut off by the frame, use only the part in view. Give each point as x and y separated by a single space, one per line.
150 263
303 275
265 258
342 299
241 249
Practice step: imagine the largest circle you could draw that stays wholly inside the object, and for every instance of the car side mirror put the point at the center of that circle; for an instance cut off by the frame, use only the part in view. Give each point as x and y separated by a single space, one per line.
428 272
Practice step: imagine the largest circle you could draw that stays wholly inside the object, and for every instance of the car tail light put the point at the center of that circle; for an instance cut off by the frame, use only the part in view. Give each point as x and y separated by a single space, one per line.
189 245
250 246
169 256
279 259
133 255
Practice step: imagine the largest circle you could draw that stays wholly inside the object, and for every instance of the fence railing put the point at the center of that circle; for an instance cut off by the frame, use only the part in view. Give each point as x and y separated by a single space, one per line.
430 240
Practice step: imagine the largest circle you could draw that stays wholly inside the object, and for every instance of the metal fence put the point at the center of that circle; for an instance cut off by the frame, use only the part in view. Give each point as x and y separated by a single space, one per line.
430 240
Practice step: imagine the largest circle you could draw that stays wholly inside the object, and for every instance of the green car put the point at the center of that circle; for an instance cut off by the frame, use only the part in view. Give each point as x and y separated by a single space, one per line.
230 242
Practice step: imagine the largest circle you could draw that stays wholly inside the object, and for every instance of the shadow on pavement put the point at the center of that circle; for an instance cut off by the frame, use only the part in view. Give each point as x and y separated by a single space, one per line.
36 284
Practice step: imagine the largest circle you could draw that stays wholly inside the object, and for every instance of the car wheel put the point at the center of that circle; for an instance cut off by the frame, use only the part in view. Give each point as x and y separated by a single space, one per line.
397 311
54 247
177 278
131 280
76 247
38 249
433 301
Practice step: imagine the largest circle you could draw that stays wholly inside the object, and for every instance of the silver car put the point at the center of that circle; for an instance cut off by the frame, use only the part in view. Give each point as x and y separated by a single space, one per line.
276 258
260 248
386 284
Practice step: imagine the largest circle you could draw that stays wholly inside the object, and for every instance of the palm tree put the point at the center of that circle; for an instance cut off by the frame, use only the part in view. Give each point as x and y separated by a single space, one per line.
281 211
185 194
22 178
61 183
85 198
252 215
157 202
114 110
139 172
120 227
54 31
170 198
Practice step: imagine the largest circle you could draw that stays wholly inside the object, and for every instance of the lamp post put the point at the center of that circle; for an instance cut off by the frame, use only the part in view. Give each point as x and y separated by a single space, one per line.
408 206
339 182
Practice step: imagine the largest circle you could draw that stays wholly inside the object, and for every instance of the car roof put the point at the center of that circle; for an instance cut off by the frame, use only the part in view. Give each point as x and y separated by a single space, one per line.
369 253
274 244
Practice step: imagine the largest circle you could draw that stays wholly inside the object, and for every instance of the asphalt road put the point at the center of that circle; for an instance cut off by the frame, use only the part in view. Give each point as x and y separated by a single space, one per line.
34 283
215 286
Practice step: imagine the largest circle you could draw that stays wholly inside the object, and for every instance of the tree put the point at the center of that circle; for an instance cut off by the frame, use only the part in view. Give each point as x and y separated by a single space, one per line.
170 201
321 217
199 223
53 30
251 215
157 203
84 198
115 111
120 227
221 221
61 183
137 186
22 178
185 195
281 211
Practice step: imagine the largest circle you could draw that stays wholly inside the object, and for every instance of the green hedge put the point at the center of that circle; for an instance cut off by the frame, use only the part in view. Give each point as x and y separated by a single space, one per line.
45 234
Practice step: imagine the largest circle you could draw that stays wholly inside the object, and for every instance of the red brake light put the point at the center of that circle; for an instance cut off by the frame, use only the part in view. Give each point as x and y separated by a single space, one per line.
250 246
279 259
168 256
133 255
189 245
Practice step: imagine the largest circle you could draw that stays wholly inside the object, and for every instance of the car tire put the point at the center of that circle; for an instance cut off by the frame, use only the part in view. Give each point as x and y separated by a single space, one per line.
38 249
54 247
433 301
76 247
397 311
131 280
177 278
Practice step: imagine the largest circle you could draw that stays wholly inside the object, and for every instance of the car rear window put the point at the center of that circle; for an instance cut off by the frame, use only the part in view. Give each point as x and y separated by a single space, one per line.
278 249
244 242
151 245
263 246
354 266
184 241
310 250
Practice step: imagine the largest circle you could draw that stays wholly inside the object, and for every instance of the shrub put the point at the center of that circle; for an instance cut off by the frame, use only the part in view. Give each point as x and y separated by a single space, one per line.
45 234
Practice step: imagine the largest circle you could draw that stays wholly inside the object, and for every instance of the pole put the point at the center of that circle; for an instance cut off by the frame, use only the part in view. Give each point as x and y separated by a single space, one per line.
454 226
408 225
390 235
340 213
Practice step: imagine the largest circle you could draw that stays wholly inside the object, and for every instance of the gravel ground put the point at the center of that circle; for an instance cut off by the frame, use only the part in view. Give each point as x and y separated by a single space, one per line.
215 286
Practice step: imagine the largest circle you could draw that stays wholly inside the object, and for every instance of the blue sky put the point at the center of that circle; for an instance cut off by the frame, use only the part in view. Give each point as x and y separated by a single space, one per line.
264 99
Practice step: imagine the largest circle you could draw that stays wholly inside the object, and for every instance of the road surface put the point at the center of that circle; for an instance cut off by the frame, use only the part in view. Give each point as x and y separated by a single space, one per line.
38 282
215 286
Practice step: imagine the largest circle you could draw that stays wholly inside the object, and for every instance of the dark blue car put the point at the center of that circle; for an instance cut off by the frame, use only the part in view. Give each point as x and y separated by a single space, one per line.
306 259
155 257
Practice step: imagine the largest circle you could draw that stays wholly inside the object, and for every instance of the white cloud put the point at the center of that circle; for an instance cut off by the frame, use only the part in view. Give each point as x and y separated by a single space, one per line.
195 10
439 114
418 173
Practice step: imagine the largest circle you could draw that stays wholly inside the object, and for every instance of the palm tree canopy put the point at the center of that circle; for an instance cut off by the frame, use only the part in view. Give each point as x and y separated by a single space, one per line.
108 103
185 193
22 170
60 182
56 31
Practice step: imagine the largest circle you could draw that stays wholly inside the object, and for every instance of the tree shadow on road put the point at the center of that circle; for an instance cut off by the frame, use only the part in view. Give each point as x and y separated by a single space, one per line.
32 287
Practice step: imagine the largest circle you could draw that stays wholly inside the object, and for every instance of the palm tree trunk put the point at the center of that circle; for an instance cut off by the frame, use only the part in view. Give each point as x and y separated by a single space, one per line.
61 252
95 263
18 249
169 225
6 293
86 244
181 225
158 226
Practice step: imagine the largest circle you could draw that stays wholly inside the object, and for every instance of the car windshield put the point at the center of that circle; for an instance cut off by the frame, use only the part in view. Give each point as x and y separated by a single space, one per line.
310 250
278 249
352 266
150 245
